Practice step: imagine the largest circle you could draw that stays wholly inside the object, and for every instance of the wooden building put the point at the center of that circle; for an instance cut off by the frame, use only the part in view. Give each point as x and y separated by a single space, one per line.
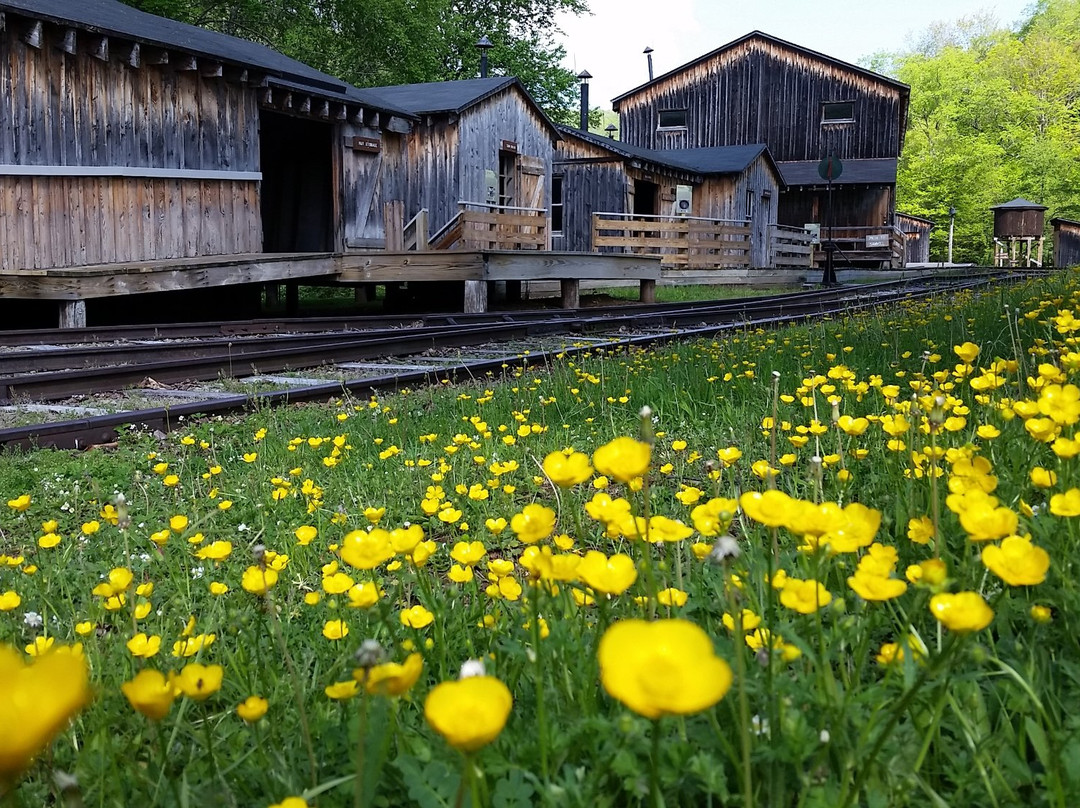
478 146
607 191
804 106
1066 242
129 138
916 230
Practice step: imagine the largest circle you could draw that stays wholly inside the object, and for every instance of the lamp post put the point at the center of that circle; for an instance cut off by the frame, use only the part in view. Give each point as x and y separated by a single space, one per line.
952 218
484 45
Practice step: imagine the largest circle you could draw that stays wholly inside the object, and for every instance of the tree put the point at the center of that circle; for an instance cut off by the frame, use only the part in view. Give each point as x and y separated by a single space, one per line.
380 42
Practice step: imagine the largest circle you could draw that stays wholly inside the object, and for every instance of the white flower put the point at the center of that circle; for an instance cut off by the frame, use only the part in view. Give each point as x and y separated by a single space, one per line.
33 620
472 667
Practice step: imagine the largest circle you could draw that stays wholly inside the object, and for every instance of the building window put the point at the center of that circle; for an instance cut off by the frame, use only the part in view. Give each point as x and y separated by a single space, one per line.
672 119
556 203
749 204
838 112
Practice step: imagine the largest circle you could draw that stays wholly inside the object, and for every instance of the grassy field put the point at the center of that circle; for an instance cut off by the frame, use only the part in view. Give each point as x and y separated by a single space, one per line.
832 565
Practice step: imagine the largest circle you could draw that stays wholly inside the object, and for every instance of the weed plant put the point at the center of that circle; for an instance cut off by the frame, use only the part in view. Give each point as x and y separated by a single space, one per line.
871 521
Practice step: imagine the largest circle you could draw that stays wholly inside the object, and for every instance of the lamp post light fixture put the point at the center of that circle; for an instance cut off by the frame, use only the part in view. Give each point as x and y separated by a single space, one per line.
952 219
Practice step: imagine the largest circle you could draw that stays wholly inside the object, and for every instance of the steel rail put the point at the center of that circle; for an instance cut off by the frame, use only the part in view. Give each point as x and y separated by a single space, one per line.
80 433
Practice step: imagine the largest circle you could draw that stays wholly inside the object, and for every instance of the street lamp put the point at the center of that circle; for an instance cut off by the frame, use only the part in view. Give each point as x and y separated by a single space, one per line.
952 219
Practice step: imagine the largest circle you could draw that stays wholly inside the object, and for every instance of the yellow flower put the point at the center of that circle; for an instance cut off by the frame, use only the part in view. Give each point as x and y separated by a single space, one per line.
258 581
459 574
215 551
535 522
967 352
363 595
150 693
771 508
20 504
373 514
610 576
143 646
1041 614
1067 504
391 678
178 523
672 597
567 469
10 600
335 629
468 553
804 597
1017 561
963 612
869 586
920 529
1043 478
729 456
198 682
340 691
667 667
366 550
984 523
305 534
714 517
469 713
750 620
218 588
416 617
623 458
252 708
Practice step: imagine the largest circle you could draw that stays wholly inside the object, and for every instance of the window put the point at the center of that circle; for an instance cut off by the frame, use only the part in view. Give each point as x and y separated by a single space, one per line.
672 119
838 112
749 204
556 203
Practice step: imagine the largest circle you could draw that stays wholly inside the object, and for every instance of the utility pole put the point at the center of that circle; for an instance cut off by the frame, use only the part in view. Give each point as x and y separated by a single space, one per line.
952 218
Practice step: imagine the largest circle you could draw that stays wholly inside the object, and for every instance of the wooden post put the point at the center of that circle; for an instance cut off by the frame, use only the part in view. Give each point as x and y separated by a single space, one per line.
513 291
292 297
394 225
476 293
648 290
73 314
571 293
422 233
271 295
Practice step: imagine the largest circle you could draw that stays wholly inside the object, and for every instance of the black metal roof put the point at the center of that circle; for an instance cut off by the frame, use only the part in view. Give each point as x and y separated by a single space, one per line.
451 97
1019 204
704 161
871 171
904 88
113 18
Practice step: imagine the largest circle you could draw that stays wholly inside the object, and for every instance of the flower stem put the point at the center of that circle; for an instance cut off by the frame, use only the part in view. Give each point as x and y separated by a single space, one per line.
361 738
541 707
654 766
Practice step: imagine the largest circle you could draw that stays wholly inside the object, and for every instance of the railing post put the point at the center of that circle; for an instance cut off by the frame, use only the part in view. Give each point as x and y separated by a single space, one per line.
422 230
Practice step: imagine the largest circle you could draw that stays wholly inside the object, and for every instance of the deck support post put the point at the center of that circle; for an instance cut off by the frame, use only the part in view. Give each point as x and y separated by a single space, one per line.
292 298
73 314
271 295
476 297
513 291
571 293
648 291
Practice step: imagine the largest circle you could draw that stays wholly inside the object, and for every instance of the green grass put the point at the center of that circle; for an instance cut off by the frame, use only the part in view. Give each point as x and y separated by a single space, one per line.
964 719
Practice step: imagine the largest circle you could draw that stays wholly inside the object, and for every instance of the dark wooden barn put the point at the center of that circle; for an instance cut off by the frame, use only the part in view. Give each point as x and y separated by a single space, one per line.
804 106
479 147
916 230
128 138
1066 242
611 194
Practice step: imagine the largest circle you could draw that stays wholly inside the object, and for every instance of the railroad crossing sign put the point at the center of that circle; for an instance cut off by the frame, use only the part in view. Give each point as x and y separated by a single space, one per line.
830 168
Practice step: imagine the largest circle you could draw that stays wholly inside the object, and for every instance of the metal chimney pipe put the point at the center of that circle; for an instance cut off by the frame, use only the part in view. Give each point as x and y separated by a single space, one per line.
648 55
583 123
484 45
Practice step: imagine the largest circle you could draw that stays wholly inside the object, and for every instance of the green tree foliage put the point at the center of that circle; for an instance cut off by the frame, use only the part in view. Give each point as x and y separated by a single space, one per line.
995 114
379 42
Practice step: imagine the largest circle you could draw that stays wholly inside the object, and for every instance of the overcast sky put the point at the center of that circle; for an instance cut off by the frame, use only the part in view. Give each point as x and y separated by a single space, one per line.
609 43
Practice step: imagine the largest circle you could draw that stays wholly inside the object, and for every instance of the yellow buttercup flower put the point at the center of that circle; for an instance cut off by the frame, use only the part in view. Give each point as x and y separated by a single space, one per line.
963 612
714 517
37 699
1017 561
151 693
870 586
391 678
535 522
252 708
968 352
198 682
666 667
623 458
610 576
469 713
366 550
416 617
771 508
567 469
1067 504
804 597
258 581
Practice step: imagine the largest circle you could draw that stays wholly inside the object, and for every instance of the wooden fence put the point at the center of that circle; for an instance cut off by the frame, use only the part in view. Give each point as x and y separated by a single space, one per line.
883 245
681 241
790 247
494 227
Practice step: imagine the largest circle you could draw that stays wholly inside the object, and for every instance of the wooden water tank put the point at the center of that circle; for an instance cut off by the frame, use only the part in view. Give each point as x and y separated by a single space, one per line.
1018 219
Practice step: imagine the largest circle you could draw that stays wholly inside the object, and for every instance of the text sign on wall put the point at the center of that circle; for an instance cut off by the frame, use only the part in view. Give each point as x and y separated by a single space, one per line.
877 241
366 144
510 146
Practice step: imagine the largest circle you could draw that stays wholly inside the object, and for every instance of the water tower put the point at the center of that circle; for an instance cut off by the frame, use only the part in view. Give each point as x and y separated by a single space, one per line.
1018 234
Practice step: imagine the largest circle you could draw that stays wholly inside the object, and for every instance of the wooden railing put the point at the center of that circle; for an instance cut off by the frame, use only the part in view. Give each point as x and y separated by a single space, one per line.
862 245
416 232
790 247
681 241
479 226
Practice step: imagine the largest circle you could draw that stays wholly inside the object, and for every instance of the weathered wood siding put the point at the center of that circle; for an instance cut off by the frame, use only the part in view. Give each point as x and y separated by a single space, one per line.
729 197
851 206
594 181
1066 242
367 180
916 232
506 116
761 92
60 110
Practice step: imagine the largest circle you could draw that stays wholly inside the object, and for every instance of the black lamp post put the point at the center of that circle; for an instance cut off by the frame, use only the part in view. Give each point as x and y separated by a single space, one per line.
484 45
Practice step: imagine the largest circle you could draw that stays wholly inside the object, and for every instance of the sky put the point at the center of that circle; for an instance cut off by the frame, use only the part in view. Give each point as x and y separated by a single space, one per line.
609 43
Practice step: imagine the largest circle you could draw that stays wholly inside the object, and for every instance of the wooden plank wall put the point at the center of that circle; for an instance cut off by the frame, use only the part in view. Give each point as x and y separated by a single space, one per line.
60 109
857 206
1066 243
759 92
600 186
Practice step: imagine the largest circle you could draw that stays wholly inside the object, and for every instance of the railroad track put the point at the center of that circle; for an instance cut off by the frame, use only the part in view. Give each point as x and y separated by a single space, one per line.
52 365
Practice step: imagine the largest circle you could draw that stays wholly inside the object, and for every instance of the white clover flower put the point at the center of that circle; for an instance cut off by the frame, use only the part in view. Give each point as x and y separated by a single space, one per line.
472 667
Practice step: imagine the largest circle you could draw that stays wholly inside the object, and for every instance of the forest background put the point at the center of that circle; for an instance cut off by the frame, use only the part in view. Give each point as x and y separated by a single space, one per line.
995 111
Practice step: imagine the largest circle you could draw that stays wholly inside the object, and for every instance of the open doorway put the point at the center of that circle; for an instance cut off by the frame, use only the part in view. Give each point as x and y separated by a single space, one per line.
297 185
646 196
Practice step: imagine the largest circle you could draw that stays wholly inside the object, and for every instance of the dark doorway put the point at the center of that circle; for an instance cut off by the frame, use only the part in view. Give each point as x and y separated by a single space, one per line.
646 195
508 162
297 185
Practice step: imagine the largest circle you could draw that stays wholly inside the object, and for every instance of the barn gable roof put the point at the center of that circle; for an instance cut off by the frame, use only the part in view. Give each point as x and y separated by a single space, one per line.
113 18
701 161
453 97
777 42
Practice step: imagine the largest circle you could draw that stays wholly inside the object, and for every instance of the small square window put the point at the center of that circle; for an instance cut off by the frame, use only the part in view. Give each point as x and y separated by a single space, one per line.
556 203
672 119
838 112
